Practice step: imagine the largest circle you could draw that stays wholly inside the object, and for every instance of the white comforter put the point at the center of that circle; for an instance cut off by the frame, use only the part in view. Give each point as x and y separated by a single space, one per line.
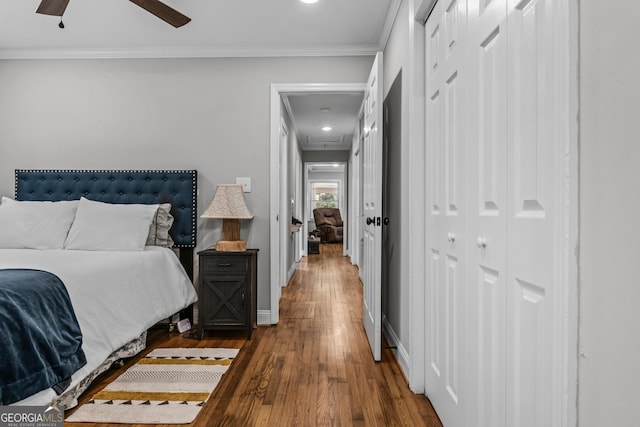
116 295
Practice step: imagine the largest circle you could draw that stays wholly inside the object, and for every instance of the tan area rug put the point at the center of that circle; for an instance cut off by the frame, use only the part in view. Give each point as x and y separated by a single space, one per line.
168 386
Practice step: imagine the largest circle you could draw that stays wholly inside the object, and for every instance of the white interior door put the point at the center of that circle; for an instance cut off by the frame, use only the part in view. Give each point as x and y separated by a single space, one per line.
372 201
487 219
447 287
535 190
299 208
284 205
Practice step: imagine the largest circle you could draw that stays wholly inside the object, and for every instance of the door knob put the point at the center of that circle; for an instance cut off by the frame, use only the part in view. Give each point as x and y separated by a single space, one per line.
451 237
385 221
481 242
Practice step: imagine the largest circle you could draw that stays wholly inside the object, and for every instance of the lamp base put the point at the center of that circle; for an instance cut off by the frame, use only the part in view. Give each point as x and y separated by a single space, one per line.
231 246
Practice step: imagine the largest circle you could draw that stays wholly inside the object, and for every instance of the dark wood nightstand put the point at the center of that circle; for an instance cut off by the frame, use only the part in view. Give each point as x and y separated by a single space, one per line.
313 246
227 290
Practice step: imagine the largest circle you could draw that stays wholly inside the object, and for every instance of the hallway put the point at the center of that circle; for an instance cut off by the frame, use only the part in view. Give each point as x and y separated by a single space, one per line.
323 355
312 369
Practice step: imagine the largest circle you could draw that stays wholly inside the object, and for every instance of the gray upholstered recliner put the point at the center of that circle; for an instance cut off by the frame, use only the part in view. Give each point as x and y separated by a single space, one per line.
329 222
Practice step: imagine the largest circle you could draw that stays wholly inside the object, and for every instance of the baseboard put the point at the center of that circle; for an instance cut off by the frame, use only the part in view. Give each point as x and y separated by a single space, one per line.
292 270
402 356
264 317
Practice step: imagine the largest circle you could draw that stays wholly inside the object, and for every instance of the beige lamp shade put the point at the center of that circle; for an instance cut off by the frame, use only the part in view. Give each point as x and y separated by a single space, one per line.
228 205
228 202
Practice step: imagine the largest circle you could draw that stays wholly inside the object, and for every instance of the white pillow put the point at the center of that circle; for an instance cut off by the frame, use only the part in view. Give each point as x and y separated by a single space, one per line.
35 225
102 226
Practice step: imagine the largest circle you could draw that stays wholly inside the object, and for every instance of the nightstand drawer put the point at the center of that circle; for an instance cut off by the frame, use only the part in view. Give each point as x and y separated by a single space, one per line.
226 264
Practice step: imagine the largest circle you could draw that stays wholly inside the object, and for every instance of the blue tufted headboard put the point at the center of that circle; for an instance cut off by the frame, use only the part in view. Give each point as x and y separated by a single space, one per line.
125 186
178 187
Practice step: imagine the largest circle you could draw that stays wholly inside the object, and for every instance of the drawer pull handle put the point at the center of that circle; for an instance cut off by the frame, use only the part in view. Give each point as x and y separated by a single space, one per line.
224 264
242 296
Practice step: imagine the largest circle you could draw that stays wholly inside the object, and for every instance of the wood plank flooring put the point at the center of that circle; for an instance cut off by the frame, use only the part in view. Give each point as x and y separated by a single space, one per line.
312 369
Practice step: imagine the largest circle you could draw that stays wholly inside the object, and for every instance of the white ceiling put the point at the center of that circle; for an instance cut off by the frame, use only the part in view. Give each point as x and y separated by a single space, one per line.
311 112
119 28
218 28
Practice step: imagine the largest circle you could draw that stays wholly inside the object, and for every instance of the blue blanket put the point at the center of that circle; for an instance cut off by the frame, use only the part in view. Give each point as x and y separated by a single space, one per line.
42 341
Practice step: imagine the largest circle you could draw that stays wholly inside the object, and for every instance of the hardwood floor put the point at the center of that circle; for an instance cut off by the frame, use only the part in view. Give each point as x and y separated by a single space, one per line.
313 368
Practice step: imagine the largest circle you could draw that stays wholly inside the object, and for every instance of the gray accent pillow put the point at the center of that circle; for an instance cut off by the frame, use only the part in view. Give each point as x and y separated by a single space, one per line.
159 229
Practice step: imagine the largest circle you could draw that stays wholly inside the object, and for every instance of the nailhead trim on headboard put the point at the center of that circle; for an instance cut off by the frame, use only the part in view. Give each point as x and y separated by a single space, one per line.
119 186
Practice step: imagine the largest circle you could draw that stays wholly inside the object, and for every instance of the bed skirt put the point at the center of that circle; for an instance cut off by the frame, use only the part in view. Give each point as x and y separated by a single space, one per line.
69 399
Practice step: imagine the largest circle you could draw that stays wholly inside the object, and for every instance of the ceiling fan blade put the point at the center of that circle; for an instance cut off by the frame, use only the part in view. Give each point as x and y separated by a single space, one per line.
162 11
52 7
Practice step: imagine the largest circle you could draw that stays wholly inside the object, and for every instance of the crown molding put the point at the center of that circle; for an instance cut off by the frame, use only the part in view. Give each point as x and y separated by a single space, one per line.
390 19
188 52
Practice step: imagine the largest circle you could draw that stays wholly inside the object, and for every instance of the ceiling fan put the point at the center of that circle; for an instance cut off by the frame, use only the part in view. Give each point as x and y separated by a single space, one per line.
156 7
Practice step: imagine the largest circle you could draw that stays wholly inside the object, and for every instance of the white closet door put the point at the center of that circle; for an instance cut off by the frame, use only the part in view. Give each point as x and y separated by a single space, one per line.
535 188
497 174
446 209
488 210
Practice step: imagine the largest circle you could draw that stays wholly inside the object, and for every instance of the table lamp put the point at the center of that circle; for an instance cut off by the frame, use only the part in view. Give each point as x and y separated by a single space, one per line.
228 205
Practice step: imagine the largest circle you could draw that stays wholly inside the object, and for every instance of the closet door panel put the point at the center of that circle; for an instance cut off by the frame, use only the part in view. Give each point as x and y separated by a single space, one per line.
496 151
455 76
435 349
435 206
533 222
490 371
446 207
487 168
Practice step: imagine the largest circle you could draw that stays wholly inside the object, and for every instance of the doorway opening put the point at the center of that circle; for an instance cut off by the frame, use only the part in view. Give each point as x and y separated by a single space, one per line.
326 187
284 162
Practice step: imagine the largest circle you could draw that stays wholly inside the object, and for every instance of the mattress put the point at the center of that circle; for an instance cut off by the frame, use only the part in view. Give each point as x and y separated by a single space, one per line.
116 296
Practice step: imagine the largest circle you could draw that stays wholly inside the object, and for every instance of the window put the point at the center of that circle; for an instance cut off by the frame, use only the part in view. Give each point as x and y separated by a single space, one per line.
323 194
324 187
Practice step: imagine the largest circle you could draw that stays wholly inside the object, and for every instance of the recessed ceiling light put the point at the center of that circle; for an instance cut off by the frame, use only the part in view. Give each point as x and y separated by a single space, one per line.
326 128
309 1
325 109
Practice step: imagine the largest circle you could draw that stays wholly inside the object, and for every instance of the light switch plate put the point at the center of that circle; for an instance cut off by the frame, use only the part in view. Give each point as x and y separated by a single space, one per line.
245 182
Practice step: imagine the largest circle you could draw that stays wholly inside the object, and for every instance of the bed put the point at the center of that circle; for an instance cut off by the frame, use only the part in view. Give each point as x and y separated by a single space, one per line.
118 286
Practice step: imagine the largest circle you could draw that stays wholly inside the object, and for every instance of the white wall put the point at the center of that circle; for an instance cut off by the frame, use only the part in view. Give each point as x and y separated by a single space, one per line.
609 370
206 114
